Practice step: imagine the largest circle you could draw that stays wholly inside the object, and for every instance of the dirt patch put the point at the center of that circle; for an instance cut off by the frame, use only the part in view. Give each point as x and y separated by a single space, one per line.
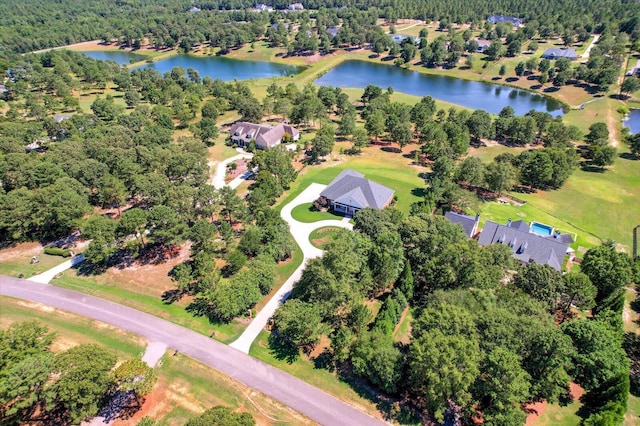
535 410
241 167
20 251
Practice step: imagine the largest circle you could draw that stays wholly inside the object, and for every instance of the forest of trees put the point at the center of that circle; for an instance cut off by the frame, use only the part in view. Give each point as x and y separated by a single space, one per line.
485 336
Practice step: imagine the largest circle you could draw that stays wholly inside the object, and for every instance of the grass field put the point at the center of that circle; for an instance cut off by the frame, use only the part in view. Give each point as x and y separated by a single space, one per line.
307 214
386 168
185 387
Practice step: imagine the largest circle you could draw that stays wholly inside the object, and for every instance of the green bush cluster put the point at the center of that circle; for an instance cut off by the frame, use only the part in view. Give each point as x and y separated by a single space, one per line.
55 251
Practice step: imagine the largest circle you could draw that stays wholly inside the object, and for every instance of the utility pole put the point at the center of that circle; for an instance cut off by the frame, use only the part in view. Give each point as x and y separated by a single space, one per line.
635 242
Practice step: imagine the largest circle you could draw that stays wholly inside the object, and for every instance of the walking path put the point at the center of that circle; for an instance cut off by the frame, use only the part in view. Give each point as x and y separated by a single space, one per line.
297 394
301 232
47 276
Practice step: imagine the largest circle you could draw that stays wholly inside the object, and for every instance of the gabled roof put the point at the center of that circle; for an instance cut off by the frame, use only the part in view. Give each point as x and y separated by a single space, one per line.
468 223
351 188
264 136
526 246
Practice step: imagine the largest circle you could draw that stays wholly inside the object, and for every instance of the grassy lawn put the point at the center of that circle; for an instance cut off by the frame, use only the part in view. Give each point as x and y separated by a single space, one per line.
307 214
402 332
632 418
592 204
322 236
304 368
22 265
119 292
386 168
556 415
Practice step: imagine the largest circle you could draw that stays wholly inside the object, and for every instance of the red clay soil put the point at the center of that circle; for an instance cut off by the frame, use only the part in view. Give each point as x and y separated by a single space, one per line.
240 169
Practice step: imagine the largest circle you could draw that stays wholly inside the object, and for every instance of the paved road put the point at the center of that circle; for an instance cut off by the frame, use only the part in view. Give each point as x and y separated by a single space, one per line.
295 393
301 232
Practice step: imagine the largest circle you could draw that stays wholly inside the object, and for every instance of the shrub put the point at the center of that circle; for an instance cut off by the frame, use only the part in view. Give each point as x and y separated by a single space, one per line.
55 251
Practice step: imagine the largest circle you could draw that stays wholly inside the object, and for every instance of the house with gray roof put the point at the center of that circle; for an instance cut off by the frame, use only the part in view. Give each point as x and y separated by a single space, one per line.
264 136
527 246
468 223
495 19
555 53
350 192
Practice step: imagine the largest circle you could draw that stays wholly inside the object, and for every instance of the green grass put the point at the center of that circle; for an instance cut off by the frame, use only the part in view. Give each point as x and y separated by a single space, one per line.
389 169
320 237
632 418
403 332
555 415
71 329
307 214
175 312
23 267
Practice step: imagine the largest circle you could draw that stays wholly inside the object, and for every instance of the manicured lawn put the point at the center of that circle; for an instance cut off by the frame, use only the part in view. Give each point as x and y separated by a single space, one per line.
307 213
391 169
632 418
119 292
322 236
595 205
403 331
22 266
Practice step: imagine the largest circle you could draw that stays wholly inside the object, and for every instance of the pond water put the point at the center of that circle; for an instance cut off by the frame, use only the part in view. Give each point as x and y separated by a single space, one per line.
471 94
122 57
632 121
223 68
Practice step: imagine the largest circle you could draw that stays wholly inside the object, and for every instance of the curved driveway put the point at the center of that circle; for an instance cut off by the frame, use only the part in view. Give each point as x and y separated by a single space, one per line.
308 400
301 232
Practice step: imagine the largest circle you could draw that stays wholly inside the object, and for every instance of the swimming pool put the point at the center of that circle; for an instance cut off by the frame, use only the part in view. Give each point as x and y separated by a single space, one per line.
541 229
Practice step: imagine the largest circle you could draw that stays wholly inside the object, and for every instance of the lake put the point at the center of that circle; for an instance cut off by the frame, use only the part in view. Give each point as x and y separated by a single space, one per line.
122 57
471 94
223 68
632 121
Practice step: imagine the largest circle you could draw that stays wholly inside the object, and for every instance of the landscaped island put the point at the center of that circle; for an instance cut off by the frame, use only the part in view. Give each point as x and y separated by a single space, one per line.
444 195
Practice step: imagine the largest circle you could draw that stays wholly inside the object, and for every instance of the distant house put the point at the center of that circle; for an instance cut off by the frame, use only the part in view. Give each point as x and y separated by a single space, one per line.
496 19
468 223
261 7
482 45
634 70
296 6
350 192
3 89
61 118
264 136
526 245
555 53
195 9
399 38
332 31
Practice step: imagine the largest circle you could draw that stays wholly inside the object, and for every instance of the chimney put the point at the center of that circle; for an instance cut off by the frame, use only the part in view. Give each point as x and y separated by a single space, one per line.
509 222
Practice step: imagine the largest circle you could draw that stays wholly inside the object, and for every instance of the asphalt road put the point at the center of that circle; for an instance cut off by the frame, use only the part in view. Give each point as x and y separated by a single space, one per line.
297 394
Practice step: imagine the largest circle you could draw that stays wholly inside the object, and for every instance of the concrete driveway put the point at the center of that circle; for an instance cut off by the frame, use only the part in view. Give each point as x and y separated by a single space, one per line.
297 394
301 232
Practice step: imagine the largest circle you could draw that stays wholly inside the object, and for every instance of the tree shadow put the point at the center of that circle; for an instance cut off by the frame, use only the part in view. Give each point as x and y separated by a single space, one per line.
392 149
173 295
88 269
512 79
282 350
123 405
628 156
418 192
631 345
588 167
